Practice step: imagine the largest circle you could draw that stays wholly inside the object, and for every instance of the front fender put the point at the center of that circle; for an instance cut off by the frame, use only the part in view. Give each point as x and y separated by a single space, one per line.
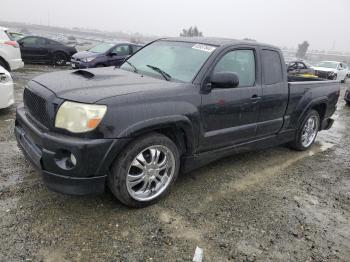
177 121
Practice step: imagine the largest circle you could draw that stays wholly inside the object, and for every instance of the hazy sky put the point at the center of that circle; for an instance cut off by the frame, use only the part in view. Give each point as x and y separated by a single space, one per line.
325 24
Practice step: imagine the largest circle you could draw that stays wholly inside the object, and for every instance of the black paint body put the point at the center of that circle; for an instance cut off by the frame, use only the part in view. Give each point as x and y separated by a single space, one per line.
42 50
206 123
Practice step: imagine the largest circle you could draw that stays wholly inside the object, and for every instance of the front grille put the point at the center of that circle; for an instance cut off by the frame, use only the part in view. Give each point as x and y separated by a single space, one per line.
36 106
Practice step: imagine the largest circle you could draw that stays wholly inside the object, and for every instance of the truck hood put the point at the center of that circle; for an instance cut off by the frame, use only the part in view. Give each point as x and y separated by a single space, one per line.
325 69
92 85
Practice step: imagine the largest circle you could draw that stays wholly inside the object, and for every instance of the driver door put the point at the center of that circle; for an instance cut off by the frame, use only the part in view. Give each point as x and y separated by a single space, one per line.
229 115
118 54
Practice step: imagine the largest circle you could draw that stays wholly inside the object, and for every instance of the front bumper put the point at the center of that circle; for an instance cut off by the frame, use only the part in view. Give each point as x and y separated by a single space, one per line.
44 150
16 64
75 64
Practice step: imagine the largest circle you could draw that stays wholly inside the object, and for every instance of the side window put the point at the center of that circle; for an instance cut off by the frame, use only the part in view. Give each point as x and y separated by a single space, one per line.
29 40
241 62
122 50
40 41
301 66
272 67
135 48
292 66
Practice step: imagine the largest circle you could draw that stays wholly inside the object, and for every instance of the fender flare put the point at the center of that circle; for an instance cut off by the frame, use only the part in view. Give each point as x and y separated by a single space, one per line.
176 121
312 103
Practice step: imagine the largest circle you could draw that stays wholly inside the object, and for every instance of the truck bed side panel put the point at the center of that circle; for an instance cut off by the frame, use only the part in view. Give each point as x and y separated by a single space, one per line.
307 95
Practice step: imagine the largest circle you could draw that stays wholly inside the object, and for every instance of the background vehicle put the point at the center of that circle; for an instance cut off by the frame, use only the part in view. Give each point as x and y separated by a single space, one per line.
298 67
347 96
6 89
10 55
331 70
36 49
104 54
177 103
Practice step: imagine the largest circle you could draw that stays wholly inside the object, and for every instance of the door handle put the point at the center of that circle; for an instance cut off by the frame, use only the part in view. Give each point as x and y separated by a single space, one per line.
255 98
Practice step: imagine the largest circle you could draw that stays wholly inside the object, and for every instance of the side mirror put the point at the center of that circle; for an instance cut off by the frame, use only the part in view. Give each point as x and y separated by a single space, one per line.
224 80
112 54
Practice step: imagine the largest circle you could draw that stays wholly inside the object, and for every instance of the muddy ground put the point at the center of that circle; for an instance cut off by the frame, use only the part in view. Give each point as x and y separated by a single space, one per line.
277 205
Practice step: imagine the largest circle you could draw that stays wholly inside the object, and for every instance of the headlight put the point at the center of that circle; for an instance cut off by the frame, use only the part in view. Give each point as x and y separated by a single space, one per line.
5 77
89 59
79 118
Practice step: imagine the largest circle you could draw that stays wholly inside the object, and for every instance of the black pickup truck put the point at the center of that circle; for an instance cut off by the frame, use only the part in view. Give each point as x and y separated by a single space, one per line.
175 105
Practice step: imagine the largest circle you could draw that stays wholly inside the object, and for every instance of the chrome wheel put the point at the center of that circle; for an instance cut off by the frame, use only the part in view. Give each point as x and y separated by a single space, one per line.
150 173
309 131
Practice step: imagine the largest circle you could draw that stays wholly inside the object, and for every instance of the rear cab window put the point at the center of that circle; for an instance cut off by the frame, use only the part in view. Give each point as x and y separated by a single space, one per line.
272 67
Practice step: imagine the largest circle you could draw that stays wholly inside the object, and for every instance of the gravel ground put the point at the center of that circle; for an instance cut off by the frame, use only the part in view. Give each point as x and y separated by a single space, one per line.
271 205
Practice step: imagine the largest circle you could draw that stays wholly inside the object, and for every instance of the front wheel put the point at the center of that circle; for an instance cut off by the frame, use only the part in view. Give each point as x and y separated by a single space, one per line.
59 59
145 171
307 132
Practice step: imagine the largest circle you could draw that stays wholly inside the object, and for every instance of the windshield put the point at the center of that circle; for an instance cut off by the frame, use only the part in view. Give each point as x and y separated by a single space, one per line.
328 64
179 60
101 48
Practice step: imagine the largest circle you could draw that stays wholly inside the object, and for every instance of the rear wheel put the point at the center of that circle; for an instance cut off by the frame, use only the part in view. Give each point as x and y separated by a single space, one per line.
307 131
60 59
145 171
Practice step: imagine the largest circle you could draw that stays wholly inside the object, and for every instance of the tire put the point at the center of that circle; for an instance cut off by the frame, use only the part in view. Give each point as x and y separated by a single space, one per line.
100 65
131 191
60 59
299 142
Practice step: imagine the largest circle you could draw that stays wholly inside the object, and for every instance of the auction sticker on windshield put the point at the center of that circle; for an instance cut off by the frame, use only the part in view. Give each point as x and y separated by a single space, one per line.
205 48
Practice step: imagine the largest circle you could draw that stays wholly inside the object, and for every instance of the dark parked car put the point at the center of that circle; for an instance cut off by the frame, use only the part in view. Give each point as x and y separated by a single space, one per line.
177 104
104 54
36 49
298 67
347 96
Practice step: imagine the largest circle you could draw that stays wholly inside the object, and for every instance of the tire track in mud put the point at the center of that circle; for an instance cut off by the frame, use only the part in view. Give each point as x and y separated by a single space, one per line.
272 169
183 230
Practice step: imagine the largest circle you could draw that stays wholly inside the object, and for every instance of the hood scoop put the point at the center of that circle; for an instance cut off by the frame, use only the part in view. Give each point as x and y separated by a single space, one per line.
84 73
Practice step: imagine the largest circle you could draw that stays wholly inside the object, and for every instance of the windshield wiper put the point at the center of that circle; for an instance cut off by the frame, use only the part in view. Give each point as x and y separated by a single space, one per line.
166 76
133 67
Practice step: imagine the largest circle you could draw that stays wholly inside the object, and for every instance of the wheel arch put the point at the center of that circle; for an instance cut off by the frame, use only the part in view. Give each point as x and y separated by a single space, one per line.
319 105
178 128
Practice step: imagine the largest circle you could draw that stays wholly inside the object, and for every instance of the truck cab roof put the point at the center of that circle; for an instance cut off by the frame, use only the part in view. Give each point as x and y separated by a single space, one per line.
217 41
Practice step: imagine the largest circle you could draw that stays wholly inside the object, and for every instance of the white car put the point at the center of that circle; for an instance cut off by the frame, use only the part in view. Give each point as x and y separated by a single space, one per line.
10 54
331 70
6 89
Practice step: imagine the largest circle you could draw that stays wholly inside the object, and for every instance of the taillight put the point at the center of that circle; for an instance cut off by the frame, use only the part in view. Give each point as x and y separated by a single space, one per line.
12 43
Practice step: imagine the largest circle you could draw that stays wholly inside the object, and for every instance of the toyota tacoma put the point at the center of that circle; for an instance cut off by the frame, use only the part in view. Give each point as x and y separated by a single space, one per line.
175 105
